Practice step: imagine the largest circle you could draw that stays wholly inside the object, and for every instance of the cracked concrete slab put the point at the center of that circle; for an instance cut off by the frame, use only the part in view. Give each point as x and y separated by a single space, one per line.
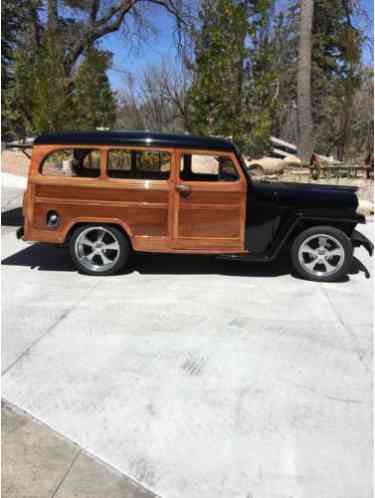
39 463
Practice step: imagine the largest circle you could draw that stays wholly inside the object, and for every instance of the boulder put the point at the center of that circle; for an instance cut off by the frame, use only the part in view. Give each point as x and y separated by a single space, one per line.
293 161
268 165
365 207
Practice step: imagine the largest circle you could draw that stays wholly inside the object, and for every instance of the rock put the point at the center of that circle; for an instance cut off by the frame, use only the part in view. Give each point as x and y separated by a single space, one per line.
291 160
365 207
269 165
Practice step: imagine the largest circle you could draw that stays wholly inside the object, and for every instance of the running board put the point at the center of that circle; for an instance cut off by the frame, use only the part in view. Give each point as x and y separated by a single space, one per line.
244 257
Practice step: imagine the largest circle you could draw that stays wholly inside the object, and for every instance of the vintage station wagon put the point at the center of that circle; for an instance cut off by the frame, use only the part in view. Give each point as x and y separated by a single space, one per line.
106 194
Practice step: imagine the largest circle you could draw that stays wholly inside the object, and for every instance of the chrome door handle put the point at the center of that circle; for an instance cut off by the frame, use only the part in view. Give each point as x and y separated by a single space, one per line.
183 189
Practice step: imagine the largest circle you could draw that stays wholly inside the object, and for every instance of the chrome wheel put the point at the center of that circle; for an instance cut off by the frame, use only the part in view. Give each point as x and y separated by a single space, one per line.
321 255
97 249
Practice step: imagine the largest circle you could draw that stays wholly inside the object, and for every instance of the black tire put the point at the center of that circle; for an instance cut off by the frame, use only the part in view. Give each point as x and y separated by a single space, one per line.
117 255
336 241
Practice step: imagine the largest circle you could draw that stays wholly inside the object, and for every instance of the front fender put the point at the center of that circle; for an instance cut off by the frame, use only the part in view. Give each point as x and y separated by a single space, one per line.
358 239
300 218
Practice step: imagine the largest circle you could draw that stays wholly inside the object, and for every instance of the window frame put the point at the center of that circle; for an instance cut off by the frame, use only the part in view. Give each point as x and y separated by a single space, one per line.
62 148
213 153
133 148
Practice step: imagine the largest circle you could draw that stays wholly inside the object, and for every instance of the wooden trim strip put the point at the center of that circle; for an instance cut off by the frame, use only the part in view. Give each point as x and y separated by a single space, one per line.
226 207
73 181
230 239
111 203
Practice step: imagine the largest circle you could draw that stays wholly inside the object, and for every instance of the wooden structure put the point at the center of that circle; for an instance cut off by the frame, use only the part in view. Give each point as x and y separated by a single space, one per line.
158 215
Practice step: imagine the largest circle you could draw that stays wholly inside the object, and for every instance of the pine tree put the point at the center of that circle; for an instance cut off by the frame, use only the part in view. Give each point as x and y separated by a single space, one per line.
95 103
11 23
52 103
43 99
305 122
233 84
336 74
15 18
261 81
219 54
17 110
57 40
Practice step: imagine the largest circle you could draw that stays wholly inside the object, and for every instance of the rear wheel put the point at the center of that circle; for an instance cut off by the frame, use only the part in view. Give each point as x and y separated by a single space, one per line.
323 254
99 249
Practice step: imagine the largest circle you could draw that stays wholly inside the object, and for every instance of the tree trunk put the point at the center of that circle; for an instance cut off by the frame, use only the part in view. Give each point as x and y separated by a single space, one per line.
52 15
345 129
305 122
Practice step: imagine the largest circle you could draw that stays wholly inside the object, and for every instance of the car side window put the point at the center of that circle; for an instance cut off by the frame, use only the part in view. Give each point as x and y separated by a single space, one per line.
206 168
72 162
139 164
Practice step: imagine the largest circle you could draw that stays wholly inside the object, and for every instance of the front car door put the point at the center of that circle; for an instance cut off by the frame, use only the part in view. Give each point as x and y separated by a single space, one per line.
209 203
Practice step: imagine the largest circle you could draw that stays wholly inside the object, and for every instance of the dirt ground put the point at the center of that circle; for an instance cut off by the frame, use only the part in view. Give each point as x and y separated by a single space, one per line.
14 162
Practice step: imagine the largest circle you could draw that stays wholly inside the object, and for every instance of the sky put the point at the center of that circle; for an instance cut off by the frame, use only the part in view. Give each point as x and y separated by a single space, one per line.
133 56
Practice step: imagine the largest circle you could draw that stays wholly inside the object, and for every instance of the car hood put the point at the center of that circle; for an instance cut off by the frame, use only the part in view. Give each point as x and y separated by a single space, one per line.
309 195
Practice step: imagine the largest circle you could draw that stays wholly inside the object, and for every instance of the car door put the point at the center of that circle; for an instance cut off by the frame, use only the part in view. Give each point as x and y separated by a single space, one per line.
209 202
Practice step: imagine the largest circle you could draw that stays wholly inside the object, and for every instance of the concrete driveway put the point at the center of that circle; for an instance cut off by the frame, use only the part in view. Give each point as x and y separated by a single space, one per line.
195 377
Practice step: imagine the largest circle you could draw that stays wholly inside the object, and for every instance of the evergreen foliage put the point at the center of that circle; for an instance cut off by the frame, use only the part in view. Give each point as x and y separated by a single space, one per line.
337 74
15 15
17 109
95 103
42 98
239 75
232 92
51 98
220 52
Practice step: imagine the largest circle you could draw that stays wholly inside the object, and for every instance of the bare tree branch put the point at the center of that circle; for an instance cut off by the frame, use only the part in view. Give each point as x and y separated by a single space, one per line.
94 10
111 21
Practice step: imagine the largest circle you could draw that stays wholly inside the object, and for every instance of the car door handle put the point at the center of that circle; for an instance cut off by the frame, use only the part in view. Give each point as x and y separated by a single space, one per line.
183 189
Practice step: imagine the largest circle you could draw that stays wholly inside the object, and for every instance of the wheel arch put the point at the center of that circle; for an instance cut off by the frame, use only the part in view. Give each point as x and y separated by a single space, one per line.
345 226
298 225
109 222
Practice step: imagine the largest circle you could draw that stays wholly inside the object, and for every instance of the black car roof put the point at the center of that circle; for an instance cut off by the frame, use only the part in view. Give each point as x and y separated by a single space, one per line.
141 138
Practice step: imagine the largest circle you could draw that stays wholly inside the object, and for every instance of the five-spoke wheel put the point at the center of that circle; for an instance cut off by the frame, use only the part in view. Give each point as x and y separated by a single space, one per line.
322 253
99 249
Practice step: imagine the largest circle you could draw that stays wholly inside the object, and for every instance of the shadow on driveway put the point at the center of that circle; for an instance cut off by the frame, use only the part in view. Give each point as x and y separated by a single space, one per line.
12 217
46 257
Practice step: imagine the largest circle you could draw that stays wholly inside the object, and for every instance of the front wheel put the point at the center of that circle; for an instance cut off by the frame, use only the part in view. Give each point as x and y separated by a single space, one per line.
322 254
99 249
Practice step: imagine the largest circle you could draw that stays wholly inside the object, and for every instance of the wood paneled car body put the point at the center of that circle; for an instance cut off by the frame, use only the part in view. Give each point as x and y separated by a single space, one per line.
106 194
